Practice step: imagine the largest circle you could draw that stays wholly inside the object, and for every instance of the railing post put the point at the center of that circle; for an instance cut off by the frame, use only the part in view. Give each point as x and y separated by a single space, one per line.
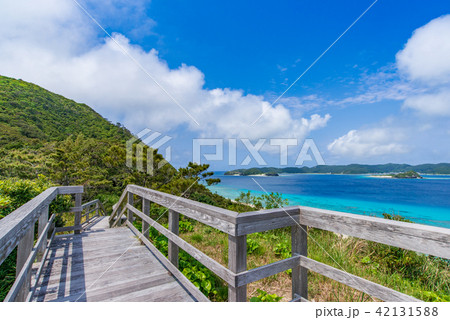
174 224
43 219
146 210
78 203
23 251
299 240
237 262
97 208
130 201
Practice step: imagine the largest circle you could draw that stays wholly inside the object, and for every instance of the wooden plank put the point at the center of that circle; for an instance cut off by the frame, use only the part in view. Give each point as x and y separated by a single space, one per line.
193 290
21 287
42 223
411 236
96 274
221 219
118 220
90 239
268 270
299 244
97 278
146 206
174 224
208 262
102 208
70 189
22 269
237 262
133 263
14 226
268 224
269 219
41 267
77 221
130 201
115 288
369 287
161 294
267 214
69 229
148 294
90 203
116 208
94 248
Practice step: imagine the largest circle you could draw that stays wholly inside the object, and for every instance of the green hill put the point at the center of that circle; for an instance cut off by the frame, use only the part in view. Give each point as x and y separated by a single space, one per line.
31 116
440 168
43 133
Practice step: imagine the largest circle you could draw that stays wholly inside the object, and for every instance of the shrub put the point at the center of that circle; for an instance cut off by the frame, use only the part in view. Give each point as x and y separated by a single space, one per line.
265 297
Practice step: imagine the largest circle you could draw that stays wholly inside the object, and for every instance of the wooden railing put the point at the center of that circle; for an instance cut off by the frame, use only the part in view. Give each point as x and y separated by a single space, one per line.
18 230
420 238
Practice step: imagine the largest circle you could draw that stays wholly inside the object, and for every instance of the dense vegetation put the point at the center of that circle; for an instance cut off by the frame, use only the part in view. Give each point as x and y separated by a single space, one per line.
14 193
30 116
440 168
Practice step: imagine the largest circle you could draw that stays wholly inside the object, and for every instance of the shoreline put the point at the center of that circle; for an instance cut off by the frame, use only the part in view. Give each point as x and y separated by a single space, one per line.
371 175
382 177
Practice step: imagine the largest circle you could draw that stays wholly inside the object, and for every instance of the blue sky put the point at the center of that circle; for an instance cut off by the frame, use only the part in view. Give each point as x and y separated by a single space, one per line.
209 69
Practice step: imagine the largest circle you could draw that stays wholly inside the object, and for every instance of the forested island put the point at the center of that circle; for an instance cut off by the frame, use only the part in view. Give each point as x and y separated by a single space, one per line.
390 168
407 175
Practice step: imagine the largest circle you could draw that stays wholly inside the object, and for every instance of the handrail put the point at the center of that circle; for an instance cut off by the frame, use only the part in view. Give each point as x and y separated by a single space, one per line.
421 238
17 230
22 277
15 225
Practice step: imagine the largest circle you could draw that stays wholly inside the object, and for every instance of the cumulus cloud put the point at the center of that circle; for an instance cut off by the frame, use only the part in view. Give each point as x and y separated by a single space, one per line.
420 80
54 44
425 62
426 54
434 104
368 143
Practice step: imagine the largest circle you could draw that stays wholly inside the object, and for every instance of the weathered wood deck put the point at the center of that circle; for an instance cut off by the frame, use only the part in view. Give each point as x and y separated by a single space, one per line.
103 264
109 259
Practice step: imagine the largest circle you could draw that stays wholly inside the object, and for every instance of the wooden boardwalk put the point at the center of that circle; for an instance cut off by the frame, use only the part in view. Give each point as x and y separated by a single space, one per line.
103 261
103 264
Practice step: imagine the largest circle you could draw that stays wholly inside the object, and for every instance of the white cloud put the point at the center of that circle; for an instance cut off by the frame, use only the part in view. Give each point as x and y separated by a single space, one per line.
53 44
425 62
433 104
426 55
368 143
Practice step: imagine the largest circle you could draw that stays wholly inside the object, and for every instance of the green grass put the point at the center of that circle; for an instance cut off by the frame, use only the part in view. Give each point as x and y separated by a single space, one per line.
424 277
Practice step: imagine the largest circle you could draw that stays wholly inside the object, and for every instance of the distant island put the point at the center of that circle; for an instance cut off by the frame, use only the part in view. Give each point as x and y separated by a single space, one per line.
407 175
390 169
402 175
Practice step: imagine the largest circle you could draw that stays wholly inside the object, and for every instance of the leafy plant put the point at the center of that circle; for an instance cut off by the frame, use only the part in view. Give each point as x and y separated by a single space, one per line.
198 278
266 201
185 226
263 296
253 246
282 250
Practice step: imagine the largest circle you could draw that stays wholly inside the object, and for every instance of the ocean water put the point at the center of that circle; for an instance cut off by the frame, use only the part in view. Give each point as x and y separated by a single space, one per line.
424 201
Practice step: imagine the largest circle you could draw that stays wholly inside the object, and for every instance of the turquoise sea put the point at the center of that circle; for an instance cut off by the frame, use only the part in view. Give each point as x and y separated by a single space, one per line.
424 201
